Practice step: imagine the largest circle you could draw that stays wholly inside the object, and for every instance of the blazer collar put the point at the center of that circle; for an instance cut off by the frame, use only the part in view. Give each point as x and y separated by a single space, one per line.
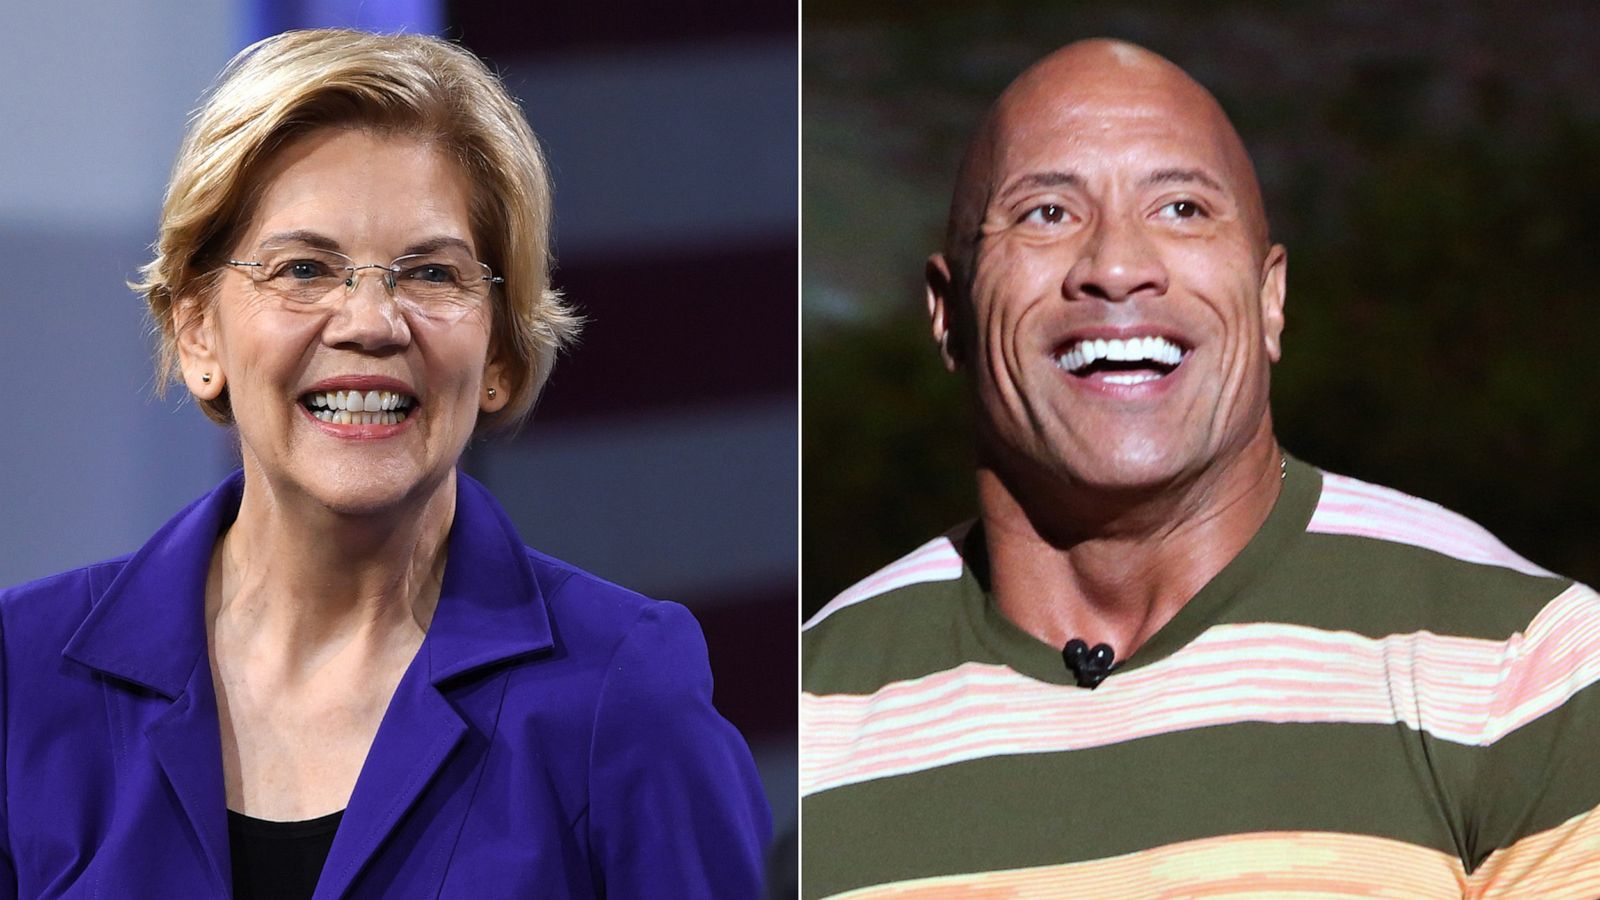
490 606
149 626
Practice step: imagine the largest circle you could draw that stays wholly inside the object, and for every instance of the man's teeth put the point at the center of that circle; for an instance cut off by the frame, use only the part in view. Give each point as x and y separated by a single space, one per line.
1140 349
1130 377
360 407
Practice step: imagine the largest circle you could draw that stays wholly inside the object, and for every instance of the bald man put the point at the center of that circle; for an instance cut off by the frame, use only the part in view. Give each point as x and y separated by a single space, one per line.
1168 659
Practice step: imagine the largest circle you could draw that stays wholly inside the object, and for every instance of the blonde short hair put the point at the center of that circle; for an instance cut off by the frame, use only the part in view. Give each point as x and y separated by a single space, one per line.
286 86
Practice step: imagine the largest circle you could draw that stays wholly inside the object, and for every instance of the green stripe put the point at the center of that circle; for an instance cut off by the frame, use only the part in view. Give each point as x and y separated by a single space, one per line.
1051 808
1032 810
1533 779
1331 582
905 634
1377 588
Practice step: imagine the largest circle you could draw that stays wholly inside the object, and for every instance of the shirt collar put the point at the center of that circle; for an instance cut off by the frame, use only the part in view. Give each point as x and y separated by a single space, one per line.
1020 650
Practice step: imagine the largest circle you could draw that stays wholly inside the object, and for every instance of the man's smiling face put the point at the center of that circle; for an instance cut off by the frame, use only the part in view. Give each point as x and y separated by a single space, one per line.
1119 307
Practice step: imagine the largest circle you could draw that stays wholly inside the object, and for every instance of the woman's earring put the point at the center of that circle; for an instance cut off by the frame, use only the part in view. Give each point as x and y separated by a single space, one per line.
206 378
491 393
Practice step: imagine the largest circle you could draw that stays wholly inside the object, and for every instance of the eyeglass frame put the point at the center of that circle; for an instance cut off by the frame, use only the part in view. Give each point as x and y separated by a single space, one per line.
352 278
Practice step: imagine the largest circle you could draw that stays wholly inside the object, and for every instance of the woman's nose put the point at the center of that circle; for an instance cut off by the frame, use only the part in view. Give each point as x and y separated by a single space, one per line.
369 318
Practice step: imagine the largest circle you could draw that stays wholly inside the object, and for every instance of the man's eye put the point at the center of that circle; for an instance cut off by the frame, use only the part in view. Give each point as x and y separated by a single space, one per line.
1182 209
1047 214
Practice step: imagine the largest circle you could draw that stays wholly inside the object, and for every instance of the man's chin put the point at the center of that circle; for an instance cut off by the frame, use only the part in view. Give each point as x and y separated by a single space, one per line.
1095 461
1122 476
1133 463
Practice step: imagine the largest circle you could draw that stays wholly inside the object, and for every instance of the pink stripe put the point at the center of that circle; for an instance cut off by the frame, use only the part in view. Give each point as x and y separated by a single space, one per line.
1406 513
1358 509
1406 525
936 560
1339 489
920 563
1334 506
1465 690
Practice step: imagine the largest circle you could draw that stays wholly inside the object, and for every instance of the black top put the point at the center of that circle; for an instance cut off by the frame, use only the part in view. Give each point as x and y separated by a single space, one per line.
278 860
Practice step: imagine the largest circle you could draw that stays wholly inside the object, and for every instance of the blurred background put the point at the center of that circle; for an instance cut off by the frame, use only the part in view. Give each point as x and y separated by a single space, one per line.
663 454
1433 168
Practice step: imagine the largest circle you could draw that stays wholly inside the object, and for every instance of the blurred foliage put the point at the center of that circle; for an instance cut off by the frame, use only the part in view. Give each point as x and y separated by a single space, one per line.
886 450
1442 346
1436 185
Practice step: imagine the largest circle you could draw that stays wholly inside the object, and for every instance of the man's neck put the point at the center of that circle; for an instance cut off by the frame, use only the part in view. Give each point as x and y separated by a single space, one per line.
1119 581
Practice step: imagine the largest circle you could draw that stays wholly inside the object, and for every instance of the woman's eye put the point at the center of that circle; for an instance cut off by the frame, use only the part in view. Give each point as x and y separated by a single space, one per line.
1182 209
432 274
303 269
1047 214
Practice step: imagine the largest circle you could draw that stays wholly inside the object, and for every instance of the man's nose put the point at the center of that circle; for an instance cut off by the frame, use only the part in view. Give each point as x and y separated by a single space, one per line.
1118 262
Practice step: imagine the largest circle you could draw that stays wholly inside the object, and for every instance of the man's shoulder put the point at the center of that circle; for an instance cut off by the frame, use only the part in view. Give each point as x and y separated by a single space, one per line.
894 621
1398 563
932 563
1351 507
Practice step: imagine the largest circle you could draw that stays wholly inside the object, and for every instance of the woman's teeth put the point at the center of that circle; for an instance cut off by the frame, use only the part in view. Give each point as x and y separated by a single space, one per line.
359 407
345 417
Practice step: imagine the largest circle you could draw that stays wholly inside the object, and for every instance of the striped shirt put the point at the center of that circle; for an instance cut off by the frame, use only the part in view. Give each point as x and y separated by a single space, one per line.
1375 698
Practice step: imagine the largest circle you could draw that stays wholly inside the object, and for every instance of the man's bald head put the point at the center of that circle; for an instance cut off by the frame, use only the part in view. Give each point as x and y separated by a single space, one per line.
1082 76
1107 202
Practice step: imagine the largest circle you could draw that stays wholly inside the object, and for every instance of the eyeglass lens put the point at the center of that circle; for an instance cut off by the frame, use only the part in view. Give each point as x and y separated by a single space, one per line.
446 283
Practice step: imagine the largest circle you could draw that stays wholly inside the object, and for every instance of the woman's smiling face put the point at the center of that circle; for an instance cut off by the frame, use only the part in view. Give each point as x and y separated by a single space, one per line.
372 197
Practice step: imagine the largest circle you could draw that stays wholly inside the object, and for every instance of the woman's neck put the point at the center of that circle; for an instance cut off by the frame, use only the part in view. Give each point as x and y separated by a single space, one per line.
297 578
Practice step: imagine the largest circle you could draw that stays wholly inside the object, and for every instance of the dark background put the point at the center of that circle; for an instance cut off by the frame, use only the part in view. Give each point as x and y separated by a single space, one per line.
1433 168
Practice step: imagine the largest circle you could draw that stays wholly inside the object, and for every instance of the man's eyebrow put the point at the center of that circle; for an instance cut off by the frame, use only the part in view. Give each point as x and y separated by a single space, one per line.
1182 176
1044 180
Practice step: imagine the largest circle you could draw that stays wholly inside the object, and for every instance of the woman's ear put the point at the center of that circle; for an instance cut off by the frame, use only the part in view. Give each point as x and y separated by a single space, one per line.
496 388
194 321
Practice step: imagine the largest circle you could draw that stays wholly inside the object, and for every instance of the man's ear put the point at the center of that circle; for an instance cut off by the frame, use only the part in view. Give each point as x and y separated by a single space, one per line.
941 308
1274 290
194 320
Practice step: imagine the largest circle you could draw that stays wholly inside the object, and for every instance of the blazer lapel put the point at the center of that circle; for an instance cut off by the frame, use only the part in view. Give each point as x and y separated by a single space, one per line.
419 734
187 742
490 612
146 635
148 630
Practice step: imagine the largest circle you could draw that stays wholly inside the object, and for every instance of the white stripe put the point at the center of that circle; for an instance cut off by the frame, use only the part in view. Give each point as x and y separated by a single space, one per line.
937 560
1450 687
1388 514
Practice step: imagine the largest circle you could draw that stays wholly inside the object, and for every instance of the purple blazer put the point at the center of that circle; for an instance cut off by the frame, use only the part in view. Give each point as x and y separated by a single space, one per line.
554 737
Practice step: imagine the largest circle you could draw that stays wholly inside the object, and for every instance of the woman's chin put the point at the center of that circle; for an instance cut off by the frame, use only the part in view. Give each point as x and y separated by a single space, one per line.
372 490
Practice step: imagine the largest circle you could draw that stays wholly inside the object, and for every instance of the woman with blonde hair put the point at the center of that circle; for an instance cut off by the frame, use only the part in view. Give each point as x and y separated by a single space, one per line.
341 672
